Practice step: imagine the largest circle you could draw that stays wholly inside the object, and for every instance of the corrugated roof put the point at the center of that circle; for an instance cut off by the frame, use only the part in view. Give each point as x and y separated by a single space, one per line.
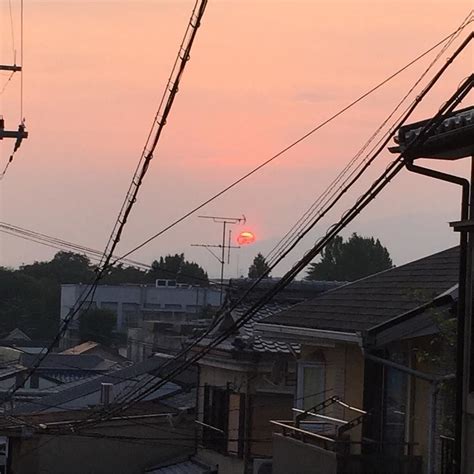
372 300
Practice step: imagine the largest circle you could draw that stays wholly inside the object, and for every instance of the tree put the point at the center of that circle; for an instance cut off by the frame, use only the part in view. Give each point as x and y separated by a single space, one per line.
259 267
348 261
27 303
65 267
120 274
175 267
97 325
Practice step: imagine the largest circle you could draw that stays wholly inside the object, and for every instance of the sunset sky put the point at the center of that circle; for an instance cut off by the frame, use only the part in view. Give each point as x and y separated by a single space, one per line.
262 73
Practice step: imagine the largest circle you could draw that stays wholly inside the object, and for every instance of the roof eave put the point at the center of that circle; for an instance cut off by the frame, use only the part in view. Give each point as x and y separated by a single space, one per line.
304 335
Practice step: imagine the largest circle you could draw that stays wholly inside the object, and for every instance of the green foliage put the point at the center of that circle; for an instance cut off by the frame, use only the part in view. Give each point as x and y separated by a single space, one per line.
348 261
65 267
207 312
120 274
440 354
30 296
259 267
97 325
26 303
175 267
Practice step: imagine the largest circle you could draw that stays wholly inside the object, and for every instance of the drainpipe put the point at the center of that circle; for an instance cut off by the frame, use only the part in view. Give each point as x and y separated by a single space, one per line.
432 431
463 254
434 381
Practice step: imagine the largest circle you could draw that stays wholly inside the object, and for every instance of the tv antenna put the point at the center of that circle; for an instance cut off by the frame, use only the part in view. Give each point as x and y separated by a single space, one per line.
224 247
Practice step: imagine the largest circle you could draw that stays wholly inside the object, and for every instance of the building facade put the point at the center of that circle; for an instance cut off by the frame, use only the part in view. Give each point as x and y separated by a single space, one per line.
133 304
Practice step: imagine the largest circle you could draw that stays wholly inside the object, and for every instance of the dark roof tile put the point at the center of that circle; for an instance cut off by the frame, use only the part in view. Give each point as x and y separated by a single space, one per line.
372 300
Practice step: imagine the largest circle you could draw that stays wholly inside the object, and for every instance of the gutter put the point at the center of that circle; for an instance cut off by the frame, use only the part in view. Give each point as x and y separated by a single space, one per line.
272 330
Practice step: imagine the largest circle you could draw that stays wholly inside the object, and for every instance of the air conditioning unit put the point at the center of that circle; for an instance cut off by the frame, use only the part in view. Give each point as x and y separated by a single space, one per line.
262 466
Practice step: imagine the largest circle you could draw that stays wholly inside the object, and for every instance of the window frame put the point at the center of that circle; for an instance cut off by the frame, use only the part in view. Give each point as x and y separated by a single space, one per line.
301 366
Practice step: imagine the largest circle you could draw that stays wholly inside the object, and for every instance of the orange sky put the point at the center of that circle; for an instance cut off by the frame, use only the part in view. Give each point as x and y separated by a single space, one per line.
261 74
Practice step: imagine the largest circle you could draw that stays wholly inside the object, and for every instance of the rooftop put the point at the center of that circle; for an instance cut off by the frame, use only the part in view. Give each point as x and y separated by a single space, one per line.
365 303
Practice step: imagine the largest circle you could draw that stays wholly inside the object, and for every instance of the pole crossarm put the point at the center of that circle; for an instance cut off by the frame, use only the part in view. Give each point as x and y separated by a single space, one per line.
12 68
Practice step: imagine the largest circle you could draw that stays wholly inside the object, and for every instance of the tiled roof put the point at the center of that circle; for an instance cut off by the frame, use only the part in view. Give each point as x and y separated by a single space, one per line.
256 342
372 300
246 338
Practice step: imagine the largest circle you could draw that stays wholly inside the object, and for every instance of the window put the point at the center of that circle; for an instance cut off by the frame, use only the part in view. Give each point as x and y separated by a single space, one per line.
216 410
310 385
395 408
224 411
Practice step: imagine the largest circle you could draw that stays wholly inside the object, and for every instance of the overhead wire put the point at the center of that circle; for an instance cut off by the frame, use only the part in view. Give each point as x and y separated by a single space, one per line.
380 149
137 180
5 85
93 254
391 171
22 118
335 185
287 148
12 30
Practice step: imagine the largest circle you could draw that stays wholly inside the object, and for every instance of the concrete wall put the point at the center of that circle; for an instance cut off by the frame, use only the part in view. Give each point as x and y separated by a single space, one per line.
132 303
295 457
83 455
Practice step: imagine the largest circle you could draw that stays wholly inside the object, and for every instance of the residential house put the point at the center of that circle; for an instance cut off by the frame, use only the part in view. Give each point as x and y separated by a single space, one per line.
245 382
53 372
365 394
53 435
18 339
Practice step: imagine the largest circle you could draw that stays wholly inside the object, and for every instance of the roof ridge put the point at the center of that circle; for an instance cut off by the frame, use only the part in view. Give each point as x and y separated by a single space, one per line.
372 275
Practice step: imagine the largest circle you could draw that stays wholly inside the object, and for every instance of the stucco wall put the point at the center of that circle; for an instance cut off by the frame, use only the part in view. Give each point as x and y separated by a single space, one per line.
344 377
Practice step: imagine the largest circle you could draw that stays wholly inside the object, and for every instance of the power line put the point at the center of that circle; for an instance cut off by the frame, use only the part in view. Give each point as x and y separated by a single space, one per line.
147 155
380 149
287 148
93 254
335 185
392 170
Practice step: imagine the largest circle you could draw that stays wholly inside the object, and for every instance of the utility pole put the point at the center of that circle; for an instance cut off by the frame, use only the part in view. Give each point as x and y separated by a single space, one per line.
225 221
20 133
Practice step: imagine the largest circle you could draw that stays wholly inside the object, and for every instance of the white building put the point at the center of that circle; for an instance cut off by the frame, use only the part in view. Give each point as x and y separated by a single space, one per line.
135 303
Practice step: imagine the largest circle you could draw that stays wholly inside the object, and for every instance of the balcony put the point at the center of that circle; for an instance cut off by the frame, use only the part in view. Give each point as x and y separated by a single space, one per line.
323 445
